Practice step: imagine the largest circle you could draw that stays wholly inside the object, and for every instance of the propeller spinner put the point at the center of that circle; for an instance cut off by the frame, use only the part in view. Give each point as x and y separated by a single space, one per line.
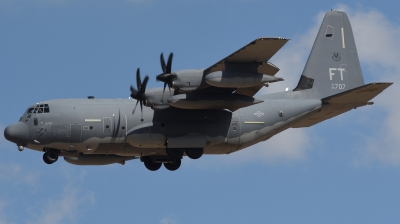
139 93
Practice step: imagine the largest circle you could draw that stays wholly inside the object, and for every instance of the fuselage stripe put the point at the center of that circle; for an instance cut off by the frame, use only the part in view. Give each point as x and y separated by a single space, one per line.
254 122
92 120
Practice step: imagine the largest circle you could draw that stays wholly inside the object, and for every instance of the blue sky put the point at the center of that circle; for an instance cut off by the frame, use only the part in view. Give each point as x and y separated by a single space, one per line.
345 170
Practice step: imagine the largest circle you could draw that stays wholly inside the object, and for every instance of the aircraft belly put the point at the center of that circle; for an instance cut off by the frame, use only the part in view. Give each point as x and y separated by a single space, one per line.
124 149
279 115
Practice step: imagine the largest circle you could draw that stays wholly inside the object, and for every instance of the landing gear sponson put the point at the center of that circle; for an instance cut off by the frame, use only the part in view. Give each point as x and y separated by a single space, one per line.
171 162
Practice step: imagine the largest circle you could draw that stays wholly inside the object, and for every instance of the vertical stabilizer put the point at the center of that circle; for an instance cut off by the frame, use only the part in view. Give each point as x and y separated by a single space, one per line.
333 65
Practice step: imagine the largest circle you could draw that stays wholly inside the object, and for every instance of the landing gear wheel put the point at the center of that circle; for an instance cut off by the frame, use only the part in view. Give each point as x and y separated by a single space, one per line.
174 165
175 153
50 156
194 153
150 165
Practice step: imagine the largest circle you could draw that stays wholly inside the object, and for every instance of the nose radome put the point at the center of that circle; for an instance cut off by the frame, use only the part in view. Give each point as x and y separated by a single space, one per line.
17 132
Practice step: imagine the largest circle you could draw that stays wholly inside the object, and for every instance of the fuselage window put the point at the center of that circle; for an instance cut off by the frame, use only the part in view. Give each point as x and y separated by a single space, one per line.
42 108
46 108
39 109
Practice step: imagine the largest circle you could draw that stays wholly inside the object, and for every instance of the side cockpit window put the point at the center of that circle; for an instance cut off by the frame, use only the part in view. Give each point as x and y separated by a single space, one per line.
39 109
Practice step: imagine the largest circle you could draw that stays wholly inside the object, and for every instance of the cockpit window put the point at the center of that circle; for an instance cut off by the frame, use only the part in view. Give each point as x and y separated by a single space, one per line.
42 108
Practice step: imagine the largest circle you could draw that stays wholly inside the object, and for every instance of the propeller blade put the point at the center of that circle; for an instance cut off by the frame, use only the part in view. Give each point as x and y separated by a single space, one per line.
162 62
144 84
169 63
135 107
162 98
139 93
138 80
141 109
169 88
134 92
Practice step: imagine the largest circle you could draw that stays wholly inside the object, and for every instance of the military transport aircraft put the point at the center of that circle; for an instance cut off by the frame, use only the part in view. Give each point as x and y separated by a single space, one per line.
211 111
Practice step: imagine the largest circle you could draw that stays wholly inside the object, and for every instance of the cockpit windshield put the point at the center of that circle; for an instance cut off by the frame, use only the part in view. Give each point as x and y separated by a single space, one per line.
38 109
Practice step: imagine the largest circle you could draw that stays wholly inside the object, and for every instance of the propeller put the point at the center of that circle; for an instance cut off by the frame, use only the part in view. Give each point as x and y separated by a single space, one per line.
139 93
166 76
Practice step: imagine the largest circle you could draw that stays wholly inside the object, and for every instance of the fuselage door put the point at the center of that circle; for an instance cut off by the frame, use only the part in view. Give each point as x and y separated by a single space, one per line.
234 131
76 133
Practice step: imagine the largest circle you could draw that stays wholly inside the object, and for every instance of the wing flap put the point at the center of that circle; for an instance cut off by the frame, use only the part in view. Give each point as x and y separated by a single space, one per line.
268 69
343 102
249 91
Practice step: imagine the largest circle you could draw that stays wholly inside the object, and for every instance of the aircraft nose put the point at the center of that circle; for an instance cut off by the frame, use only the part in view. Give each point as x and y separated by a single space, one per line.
17 132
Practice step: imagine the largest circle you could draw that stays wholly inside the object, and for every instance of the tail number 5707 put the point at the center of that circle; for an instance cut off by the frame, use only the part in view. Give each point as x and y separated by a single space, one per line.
338 86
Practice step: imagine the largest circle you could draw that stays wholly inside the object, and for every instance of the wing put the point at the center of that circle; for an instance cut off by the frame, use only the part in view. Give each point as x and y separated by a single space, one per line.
248 63
253 58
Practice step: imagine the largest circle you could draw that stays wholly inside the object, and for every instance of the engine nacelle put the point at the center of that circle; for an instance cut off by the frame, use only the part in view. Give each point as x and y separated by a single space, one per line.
187 80
241 79
98 159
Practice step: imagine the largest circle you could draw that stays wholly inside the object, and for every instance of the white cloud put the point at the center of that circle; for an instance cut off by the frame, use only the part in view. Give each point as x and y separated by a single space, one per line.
168 220
66 207
289 145
58 206
17 174
377 43
3 218
292 58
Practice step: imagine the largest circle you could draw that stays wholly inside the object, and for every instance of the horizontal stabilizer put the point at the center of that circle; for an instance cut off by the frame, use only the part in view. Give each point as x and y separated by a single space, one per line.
343 102
360 94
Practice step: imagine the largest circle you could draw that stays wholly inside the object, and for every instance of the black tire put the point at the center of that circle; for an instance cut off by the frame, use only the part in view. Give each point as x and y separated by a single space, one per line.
45 159
50 157
194 153
174 165
150 165
175 153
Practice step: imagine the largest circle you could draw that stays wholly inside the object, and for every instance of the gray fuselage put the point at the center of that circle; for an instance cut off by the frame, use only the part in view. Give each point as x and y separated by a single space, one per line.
107 126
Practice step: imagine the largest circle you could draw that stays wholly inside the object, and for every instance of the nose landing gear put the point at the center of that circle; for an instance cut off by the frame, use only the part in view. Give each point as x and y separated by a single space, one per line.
50 156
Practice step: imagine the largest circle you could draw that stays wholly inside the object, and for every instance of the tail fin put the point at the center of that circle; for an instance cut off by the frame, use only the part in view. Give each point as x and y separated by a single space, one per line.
333 65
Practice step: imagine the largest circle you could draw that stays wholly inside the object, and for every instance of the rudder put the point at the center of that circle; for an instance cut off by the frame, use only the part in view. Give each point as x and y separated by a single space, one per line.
333 65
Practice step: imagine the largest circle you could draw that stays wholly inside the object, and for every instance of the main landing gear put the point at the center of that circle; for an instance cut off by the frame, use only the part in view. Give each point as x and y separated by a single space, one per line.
154 163
172 161
193 153
50 156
